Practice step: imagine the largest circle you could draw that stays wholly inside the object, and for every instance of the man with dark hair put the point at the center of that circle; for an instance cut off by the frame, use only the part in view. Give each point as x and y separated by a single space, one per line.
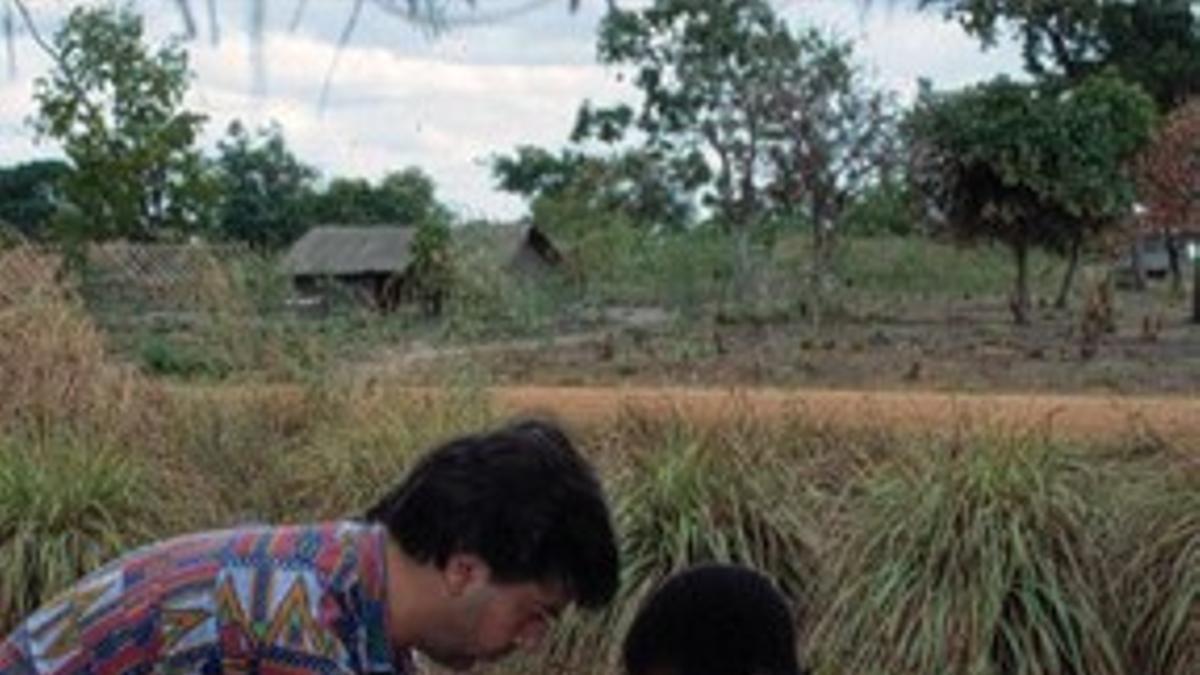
473 555
713 620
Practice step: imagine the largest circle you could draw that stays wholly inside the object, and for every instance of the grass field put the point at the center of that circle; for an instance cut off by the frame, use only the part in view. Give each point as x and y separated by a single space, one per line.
966 547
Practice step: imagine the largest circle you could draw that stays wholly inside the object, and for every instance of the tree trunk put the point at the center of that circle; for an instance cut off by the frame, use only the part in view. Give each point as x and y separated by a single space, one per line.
1069 278
820 262
743 273
1139 264
1196 289
1174 263
1020 303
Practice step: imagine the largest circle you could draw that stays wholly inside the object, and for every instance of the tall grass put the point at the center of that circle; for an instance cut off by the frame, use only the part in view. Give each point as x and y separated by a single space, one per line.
65 508
1159 590
367 436
986 556
983 559
239 331
686 494
919 267
55 372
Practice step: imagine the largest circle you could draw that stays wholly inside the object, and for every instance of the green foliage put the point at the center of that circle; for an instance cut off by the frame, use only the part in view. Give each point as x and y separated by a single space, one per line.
888 208
533 171
1154 43
1029 166
688 497
347 200
888 269
1016 162
409 196
734 103
65 508
116 107
31 195
981 559
705 70
631 185
1160 577
264 188
173 357
488 300
432 264
405 197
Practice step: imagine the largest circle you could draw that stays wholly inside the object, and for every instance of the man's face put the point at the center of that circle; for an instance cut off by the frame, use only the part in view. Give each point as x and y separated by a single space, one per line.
487 620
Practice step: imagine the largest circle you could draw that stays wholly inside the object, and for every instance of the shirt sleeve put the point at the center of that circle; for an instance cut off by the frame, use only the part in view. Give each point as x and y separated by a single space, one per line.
13 659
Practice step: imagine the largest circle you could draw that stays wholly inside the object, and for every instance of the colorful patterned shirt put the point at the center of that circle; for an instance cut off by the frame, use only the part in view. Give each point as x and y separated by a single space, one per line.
302 599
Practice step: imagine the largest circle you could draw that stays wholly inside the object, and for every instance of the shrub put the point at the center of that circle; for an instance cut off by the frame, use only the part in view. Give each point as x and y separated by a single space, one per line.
984 558
1159 597
66 508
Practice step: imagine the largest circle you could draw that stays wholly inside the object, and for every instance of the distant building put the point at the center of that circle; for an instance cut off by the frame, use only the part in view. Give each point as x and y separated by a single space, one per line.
375 263
518 248
372 263
1156 256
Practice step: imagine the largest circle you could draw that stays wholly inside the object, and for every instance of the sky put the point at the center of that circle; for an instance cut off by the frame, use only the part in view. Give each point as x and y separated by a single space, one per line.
509 72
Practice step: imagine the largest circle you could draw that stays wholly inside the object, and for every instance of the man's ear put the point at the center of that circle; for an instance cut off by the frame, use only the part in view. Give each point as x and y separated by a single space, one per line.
464 570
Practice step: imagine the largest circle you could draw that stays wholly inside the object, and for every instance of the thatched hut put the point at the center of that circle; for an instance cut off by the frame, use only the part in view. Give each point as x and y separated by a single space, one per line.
373 263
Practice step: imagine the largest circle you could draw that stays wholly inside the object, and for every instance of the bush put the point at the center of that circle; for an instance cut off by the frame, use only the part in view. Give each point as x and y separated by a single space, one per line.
984 558
1159 591
685 495
887 209
66 508
162 355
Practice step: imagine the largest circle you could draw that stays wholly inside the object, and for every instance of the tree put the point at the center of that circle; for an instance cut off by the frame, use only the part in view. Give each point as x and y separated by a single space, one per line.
838 141
708 71
1155 43
1030 167
839 135
409 196
346 201
533 172
764 122
264 188
31 195
432 267
1169 183
406 197
631 183
116 107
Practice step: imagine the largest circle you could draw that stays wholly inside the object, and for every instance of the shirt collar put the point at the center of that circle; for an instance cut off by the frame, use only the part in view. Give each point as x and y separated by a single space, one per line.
381 656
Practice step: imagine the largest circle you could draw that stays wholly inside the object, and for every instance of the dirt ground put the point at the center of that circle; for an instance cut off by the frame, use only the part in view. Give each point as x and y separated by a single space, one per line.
914 367
1148 420
967 346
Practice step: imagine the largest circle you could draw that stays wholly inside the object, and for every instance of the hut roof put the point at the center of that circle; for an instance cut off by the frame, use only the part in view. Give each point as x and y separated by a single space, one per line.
341 251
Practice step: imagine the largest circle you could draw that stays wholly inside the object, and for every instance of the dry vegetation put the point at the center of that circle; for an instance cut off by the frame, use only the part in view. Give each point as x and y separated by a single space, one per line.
980 553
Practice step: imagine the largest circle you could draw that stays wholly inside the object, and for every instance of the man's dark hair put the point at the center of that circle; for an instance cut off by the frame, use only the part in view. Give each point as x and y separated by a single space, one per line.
521 498
713 620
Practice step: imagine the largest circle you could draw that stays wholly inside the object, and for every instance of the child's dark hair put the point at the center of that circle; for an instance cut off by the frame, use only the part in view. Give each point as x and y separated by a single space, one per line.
713 620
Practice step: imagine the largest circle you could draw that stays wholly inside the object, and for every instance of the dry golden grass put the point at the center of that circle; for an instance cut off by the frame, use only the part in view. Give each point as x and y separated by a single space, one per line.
54 370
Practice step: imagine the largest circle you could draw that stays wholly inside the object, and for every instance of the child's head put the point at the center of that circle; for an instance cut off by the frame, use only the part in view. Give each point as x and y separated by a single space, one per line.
713 620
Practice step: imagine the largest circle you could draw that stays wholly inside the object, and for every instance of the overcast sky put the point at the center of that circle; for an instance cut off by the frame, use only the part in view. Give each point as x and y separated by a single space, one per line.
512 72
